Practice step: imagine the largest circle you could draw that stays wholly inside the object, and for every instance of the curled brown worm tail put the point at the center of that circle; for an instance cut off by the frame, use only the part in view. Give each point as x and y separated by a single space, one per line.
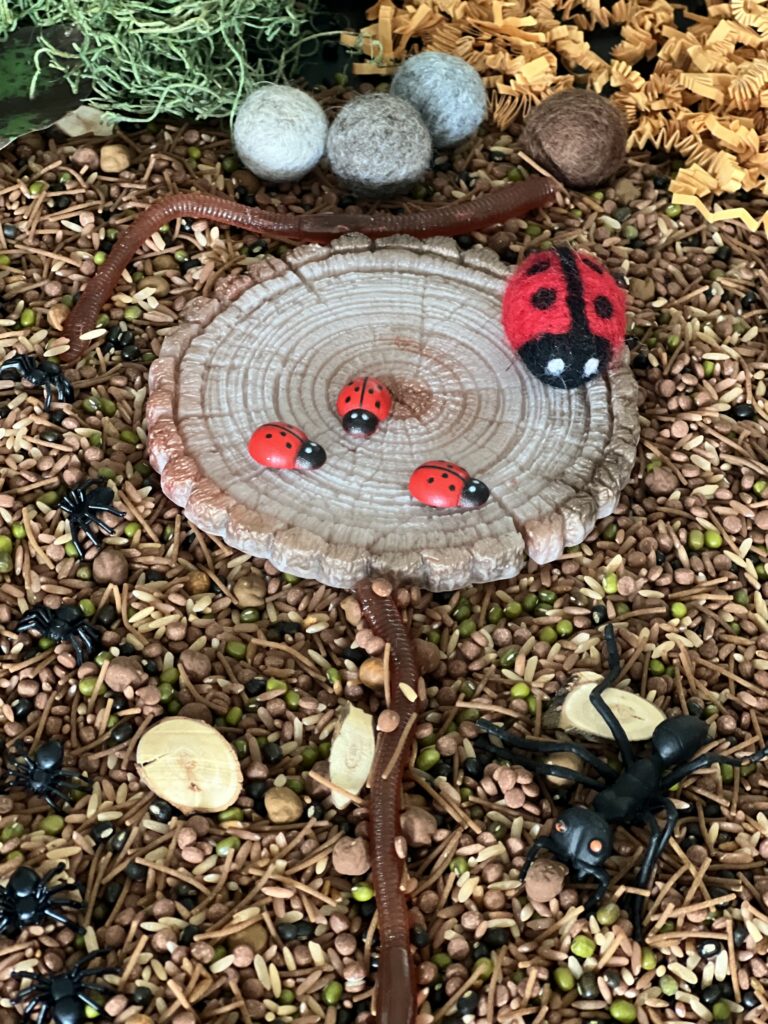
396 982
448 219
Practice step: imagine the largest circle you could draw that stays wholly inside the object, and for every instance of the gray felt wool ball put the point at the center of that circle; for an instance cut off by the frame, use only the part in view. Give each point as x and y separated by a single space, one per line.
379 146
279 133
447 92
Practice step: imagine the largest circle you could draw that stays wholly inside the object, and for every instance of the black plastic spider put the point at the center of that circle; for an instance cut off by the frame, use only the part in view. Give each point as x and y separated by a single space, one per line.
67 623
80 505
28 899
582 836
43 775
41 373
65 995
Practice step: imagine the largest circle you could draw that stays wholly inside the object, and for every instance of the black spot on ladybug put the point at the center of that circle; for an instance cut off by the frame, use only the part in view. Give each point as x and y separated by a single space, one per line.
537 268
378 405
431 479
288 444
594 266
282 433
544 298
451 487
348 398
269 435
603 307
445 476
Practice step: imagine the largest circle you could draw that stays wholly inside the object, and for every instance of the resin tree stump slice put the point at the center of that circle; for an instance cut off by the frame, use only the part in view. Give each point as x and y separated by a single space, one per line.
425 318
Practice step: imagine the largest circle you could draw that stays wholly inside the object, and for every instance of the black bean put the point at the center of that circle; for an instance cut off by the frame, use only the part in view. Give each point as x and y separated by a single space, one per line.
495 938
102 830
473 768
187 935
287 932
160 810
10 230
119 839
742 411
256 686
57 416
123 731
272 753
21 708
709 947
420 937
136 872
142 996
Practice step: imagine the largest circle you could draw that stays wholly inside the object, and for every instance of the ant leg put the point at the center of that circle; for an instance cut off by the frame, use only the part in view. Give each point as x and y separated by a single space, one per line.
542 843
548 747
603 881
656 846
705 760
540 768
599 703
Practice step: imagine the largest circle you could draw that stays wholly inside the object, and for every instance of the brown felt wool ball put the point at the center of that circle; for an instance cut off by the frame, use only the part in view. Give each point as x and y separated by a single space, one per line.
578 136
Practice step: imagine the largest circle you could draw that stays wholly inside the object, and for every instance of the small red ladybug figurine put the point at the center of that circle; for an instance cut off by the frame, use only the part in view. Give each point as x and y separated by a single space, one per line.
362 405
446 485
281 446
564 313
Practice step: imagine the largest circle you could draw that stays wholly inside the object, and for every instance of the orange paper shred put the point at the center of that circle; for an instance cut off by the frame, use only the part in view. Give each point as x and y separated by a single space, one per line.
704 100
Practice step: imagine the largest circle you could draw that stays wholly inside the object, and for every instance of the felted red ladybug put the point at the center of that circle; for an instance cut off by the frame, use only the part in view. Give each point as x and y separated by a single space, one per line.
445 485
281 446
362 405
563 312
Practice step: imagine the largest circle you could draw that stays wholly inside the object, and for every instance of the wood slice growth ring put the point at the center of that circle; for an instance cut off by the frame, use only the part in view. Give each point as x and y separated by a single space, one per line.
425 318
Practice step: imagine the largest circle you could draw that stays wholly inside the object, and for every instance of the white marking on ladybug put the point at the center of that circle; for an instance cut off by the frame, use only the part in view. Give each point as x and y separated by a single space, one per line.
591 367
555 367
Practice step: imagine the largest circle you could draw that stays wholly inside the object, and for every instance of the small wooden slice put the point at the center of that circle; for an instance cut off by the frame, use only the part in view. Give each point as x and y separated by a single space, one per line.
423 317
576 714
189 764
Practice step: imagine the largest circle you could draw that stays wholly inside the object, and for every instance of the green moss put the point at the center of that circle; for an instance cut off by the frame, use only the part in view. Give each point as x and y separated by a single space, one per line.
143 58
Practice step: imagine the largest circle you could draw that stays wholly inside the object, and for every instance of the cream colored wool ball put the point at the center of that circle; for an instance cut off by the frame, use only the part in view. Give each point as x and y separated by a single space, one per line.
279 133
447 92
379 146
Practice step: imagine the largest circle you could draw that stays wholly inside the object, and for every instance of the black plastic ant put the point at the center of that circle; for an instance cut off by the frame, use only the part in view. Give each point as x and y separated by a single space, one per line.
29 899
43 774
582 836
64 995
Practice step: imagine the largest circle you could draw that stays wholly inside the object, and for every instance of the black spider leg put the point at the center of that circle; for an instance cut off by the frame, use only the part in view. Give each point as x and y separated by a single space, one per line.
557 771
549 747
598 701
658 841
77 970
47 394
80 649
83 521
706 760
64 390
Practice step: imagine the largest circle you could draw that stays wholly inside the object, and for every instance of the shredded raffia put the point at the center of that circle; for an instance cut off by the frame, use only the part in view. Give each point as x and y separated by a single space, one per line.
188 58
705 98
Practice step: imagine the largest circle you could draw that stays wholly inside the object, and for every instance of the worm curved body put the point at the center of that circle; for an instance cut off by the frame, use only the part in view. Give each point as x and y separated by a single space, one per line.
449 219
396 978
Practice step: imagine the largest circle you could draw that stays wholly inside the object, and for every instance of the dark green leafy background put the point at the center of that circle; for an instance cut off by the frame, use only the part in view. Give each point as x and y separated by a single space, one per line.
53 97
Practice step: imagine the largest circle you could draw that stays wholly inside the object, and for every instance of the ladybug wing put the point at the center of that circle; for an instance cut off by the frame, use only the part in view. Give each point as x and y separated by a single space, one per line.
604 302
536 300
349 397
378 399
438 484
276 445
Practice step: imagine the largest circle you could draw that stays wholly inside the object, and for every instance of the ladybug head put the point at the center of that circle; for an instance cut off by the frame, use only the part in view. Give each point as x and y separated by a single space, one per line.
359 423
311 456
474 493
566 360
